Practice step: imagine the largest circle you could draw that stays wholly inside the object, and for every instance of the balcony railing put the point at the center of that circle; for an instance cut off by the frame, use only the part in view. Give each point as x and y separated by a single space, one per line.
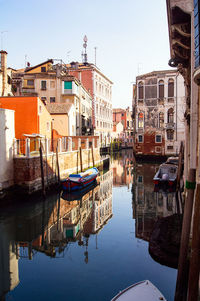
170 126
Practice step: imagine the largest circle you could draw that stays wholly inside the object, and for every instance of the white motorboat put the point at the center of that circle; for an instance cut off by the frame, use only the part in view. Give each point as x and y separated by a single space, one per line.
141 291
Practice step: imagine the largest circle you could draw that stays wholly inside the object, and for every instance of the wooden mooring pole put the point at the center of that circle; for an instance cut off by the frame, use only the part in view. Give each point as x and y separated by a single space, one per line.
81 163
42 171
57 163
92 156
183 268
193 284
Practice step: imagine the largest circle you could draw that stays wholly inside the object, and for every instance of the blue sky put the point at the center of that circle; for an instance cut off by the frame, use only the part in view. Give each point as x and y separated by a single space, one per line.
131 36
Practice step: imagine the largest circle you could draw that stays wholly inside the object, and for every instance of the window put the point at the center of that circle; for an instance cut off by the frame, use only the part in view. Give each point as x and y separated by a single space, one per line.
67 85
140 90
43 69
161 89
127 123
52 84
170 116
170 134
158 138
170 87
52 99
131 133
30 82
140 179
43 85
158 149
44 99
140 120
170 147
140 138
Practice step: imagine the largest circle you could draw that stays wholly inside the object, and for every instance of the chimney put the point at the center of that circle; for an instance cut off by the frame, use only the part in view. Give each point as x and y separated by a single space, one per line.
4 71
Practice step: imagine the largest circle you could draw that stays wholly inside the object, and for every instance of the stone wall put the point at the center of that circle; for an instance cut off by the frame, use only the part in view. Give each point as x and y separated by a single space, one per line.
27 171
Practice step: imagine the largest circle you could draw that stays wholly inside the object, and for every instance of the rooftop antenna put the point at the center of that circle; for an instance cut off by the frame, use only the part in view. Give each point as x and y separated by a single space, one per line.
2 32
68 55
25 60
85 46
95 56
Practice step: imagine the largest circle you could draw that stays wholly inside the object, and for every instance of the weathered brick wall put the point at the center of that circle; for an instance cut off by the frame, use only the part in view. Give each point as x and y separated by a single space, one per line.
27 171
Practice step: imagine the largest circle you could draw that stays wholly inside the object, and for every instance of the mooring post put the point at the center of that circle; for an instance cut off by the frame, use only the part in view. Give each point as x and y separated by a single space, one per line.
193 284
42 170
57 163
81 163
92 156
182 276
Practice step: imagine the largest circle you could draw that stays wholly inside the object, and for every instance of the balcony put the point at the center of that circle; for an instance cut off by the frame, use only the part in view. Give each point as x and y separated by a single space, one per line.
170 126
29 90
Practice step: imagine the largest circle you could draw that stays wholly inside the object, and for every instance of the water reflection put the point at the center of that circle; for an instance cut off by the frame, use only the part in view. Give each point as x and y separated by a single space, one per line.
65 247
150 205
123 168
50 227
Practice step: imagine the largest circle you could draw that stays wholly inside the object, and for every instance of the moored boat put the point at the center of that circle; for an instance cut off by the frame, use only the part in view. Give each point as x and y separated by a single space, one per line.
166 175
80 180
141 291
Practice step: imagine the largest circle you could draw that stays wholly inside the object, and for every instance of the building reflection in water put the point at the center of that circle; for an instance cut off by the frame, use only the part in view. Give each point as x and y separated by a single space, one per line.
123 168
50 227
148 205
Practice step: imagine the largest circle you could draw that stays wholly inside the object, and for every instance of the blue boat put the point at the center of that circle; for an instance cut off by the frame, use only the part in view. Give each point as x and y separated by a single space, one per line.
80 180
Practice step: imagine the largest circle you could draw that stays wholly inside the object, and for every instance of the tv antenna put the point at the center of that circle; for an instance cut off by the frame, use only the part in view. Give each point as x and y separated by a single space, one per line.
85 39
95 56
68 55
2 32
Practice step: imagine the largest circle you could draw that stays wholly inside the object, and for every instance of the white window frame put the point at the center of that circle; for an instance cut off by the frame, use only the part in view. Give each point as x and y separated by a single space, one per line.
160 140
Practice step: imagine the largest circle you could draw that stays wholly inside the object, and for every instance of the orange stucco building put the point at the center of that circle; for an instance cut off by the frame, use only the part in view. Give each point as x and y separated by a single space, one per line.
31 115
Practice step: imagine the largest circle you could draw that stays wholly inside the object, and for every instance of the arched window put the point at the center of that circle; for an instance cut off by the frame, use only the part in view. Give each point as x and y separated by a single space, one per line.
140 120
170 87
161 89
140 90
170 116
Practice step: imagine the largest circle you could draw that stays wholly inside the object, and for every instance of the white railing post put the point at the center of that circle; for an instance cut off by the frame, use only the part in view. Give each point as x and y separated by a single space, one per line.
93 143
28 147
69 144
87 143
60 145
14 147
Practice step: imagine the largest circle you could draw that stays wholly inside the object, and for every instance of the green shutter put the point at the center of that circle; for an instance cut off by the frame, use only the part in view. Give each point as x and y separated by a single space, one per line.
67 85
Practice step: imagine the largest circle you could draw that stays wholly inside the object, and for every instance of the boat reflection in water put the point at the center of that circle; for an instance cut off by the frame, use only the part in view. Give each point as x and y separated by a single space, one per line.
153 211
50 227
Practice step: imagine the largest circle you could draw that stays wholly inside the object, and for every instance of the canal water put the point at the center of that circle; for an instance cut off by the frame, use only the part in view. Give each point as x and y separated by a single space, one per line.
86 247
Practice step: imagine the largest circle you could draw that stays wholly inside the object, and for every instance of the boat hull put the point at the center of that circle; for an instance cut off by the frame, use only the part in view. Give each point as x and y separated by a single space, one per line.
80 181
141 291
